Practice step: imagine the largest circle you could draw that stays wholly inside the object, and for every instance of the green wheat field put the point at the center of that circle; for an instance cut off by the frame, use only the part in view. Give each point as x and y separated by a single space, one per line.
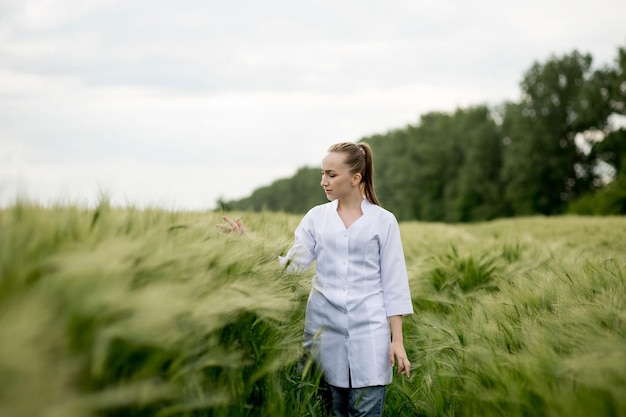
147 312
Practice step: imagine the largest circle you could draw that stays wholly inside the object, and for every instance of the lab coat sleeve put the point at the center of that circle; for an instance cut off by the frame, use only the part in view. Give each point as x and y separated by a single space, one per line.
300 256
396 292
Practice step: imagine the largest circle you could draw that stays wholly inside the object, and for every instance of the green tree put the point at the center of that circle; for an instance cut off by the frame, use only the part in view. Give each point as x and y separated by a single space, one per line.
292 195
610 90
415 168
480 188
608 87
446 168
617 93
438 156
543 166
393 165
547 151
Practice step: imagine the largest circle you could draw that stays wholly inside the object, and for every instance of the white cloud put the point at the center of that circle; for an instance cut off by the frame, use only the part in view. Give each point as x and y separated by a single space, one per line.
190 101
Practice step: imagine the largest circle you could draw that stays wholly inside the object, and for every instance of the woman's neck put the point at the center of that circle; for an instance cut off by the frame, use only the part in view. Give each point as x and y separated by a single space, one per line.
350 202
349 209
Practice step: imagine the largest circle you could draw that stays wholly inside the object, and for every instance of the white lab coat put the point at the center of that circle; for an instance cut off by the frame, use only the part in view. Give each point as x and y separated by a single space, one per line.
360 281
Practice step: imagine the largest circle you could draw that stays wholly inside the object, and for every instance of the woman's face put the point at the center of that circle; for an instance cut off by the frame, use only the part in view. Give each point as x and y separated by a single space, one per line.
337 179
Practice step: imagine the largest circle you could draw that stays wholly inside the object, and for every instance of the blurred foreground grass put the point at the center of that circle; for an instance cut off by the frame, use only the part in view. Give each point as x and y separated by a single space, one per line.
126 312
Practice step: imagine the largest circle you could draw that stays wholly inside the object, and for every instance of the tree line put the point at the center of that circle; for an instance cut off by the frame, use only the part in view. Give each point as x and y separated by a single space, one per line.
559 149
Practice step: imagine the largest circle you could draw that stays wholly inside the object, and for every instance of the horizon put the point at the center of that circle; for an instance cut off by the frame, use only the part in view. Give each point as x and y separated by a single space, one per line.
178 106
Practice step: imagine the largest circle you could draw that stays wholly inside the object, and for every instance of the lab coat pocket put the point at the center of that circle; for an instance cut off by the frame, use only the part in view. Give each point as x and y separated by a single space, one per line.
315 320
316 297
315 310
377 315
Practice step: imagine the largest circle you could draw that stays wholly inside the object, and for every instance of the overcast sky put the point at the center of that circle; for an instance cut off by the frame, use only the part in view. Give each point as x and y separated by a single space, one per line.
179 103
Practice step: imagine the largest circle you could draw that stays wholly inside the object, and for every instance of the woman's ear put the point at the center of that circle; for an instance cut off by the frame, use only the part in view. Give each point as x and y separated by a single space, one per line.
356 179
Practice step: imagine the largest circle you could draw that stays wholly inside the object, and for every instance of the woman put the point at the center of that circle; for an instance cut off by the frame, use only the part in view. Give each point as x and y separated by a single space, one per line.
360 289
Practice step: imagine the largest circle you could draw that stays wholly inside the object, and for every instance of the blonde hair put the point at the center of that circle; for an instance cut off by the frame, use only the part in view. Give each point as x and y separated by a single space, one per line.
360 159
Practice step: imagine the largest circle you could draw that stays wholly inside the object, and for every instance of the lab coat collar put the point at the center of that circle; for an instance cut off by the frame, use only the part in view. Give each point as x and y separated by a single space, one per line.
365 205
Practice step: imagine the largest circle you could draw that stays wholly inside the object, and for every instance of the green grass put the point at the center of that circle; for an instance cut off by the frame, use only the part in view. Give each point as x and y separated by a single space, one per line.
127 312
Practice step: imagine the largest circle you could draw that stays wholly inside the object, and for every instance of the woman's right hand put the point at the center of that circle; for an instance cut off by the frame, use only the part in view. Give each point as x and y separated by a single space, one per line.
232 226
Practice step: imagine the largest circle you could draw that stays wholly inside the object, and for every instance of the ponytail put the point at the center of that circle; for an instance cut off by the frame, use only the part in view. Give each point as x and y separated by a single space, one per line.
359 158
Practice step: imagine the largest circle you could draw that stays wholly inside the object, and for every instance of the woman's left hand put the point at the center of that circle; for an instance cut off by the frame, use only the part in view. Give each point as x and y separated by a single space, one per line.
397 352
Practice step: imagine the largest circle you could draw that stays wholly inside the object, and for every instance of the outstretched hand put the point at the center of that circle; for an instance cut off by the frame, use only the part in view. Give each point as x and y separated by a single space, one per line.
232 226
